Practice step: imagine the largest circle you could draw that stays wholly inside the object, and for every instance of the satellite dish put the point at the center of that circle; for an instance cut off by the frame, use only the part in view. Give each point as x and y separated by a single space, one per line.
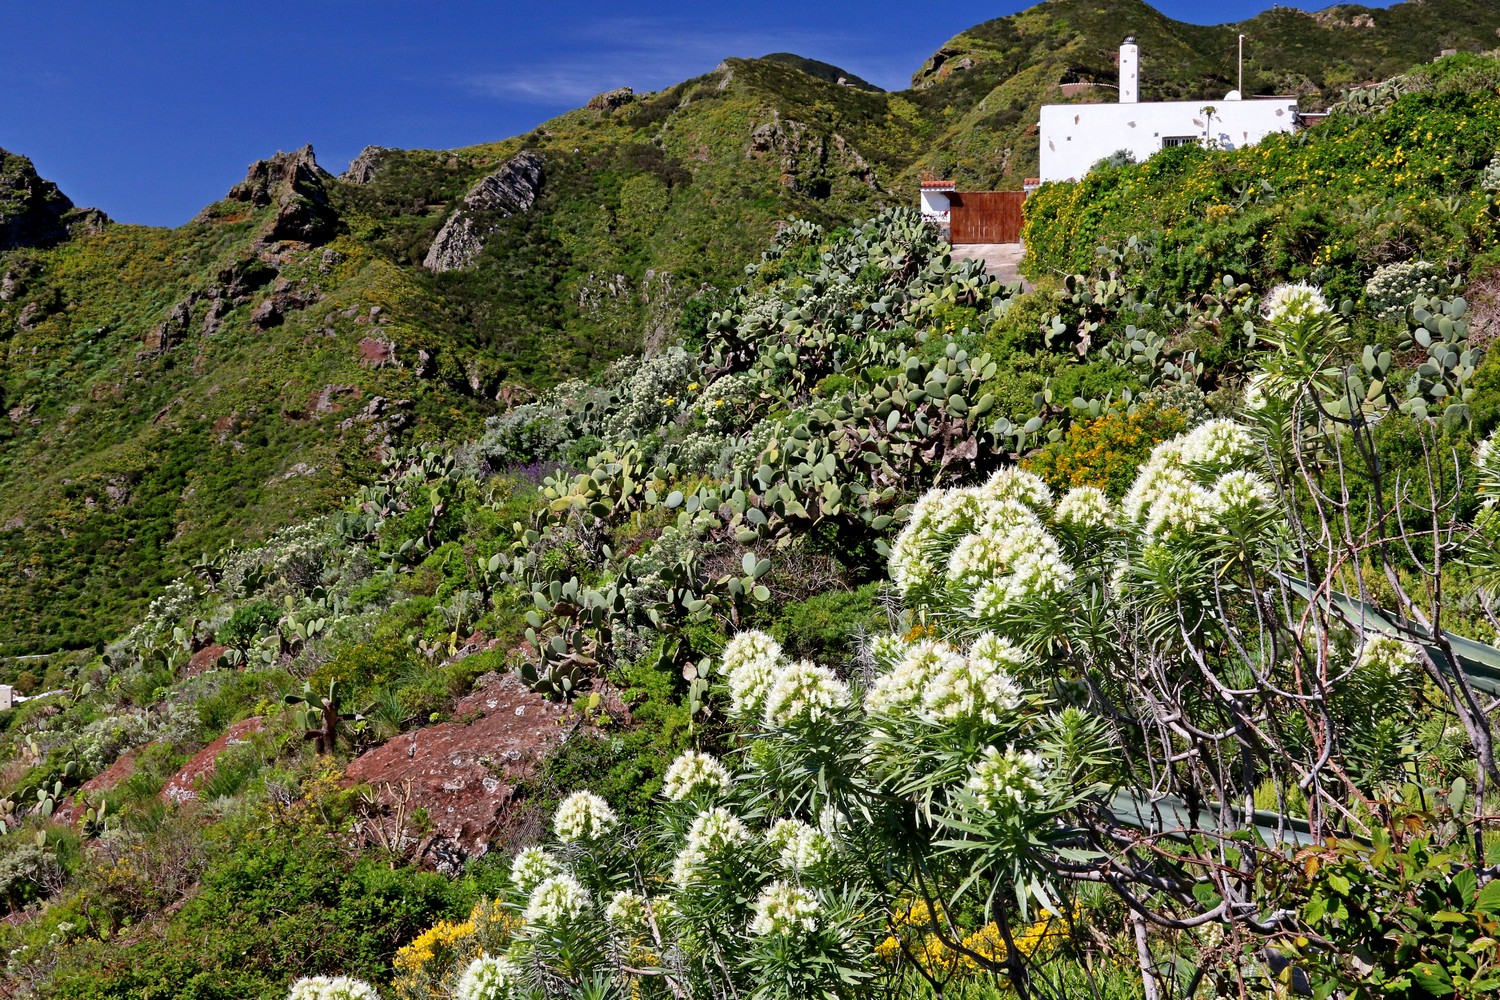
1233 95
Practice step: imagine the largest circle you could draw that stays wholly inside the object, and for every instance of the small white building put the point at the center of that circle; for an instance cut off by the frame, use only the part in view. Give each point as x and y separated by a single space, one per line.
1076 136
935 202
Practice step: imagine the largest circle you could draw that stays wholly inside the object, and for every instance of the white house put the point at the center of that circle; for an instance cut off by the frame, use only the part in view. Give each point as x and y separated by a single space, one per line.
935 202
1076 136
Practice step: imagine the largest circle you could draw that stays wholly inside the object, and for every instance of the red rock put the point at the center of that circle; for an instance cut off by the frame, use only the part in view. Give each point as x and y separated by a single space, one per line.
204 660
121 769
183 786
374 352
465 772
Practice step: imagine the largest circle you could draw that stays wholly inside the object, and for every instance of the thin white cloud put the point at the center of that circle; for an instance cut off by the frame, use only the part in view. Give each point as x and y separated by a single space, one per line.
651 53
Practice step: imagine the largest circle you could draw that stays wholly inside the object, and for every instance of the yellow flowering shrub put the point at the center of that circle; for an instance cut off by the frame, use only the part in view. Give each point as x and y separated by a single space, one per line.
1106 452
914 925
430 965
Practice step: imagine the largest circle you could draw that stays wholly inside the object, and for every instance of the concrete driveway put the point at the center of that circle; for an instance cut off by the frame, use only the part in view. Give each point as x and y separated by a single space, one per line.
1000 259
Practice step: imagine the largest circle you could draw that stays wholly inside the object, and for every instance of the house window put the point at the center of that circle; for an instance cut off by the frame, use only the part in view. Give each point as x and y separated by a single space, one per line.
1168 141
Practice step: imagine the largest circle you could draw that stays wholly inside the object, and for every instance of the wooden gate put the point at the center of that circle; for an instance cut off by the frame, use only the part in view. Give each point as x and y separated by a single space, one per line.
985 216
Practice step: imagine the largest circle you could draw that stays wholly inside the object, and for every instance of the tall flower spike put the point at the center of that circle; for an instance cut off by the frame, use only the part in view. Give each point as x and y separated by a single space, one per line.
804 692
583 816
530 866
487 978
693 772
1294 302
784 909
556 900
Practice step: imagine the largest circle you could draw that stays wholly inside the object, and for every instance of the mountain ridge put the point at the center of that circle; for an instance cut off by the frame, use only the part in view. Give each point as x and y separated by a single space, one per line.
172 391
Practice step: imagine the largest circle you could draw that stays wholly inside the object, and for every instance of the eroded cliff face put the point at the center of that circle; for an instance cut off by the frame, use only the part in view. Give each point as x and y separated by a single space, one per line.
295 185
510 190
34 212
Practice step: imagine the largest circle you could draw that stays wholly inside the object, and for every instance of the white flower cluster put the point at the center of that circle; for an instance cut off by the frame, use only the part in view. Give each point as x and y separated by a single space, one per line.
163 614
1011 559
1085 507
750 660
1026 488
1009 781
1218 443
1242 495
937 516
556 900
626 911
649 393
798 846
1393 288
803 692
1175 493
988 544
940 684
487 978
1293 302
887 650
332 988
1385 656
712 832
782 694
1256 386
729 402
531 866
784 910
583 816
694 772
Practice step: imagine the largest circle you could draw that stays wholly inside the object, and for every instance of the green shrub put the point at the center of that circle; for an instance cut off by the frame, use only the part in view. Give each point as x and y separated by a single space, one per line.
271 908
1106 452
823 628
246 622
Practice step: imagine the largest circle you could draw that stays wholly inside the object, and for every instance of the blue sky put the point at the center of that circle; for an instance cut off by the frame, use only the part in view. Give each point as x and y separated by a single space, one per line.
152 110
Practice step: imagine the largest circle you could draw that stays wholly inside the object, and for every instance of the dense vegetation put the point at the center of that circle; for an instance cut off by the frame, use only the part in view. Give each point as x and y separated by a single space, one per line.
1390 181
127 348
917 635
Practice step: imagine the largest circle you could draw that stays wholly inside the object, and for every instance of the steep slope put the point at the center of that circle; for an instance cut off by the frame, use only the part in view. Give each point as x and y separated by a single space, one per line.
169 392
173 391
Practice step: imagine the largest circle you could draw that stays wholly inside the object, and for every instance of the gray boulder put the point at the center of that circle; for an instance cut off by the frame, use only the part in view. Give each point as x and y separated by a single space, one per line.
363 167
612 99
508 191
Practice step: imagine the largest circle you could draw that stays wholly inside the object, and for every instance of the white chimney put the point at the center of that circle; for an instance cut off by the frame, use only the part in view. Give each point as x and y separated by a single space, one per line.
1130 71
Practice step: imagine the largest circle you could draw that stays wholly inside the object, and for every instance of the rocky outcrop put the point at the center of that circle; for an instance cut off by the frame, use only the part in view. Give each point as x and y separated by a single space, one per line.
294 184
466 773
612 99
942 64
34 212
510 190
811 163
235 284
363 167
184 786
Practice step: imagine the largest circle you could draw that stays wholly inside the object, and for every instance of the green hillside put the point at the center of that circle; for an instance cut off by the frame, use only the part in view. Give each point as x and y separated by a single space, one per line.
547 570
174 391
156 414
985 84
